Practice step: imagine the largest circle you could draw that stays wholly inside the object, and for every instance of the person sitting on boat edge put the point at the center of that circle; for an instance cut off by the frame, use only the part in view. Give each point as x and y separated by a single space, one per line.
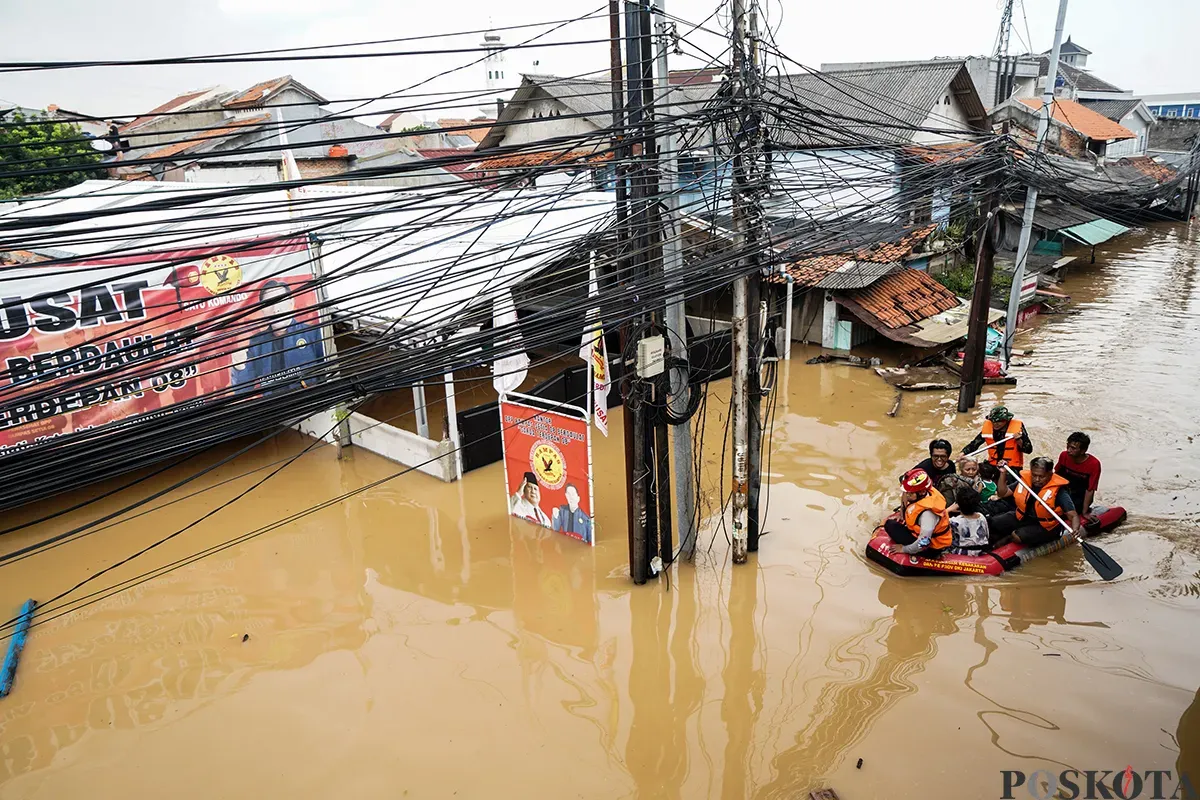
938 465
1081 470
970 528
1030 523
999 425
924 526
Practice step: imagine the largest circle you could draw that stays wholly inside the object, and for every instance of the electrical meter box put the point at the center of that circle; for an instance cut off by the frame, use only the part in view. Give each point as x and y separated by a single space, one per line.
651 356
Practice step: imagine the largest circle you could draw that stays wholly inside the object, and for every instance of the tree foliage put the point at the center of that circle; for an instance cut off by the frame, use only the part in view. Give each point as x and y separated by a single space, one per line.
31 145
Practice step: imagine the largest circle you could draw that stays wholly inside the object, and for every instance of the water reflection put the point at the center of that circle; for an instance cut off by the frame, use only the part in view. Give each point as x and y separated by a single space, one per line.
922 612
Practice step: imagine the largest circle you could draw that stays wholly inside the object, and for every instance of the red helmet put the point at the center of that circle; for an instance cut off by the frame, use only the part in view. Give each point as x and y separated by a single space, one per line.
917 481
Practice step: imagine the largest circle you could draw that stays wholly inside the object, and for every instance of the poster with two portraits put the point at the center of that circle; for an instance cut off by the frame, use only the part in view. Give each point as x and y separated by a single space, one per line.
548 465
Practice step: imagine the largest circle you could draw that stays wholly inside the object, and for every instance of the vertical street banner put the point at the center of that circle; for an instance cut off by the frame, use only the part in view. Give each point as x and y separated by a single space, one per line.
547 468
594 353
116 339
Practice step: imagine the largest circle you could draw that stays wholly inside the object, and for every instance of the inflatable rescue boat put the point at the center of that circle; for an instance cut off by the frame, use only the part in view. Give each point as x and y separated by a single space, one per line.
995 562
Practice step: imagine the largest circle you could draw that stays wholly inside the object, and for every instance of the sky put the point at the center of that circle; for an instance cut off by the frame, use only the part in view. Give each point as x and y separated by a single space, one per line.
1145 46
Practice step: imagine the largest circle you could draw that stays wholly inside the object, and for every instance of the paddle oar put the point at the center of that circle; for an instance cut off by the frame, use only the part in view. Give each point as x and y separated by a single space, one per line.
1102 562
987 447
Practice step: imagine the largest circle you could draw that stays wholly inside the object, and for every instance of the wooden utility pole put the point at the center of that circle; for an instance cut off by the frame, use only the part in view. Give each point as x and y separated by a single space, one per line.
971 375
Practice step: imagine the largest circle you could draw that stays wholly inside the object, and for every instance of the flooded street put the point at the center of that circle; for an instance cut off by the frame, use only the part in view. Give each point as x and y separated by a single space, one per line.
414 641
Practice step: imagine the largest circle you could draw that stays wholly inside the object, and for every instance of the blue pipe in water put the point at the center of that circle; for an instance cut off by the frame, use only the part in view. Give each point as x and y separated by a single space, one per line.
15 645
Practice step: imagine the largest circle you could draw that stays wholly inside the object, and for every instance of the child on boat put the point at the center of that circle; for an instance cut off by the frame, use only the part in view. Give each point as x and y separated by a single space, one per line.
970 528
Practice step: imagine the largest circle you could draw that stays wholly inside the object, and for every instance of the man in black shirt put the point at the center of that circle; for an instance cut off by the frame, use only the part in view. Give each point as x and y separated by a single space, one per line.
938 465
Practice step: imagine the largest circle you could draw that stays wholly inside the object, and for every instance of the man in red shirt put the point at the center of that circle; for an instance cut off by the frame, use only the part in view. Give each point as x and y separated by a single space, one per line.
1081 470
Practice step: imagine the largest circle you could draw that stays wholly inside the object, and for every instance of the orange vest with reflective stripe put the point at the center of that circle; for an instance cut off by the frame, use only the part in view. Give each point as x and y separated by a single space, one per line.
943 537
1049 493
1010 451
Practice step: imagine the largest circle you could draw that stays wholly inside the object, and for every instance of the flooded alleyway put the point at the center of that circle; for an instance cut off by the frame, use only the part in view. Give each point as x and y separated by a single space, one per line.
414 641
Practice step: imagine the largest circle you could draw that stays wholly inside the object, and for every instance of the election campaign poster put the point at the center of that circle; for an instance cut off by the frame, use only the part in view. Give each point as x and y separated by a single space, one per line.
103 340
547 466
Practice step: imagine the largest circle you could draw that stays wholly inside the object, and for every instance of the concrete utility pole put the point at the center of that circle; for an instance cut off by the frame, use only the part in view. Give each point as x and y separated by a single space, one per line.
755 308
747 215
1031 194
668 159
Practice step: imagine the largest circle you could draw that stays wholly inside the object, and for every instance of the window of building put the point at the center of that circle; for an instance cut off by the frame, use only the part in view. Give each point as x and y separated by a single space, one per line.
1172 113
946 100
1191 112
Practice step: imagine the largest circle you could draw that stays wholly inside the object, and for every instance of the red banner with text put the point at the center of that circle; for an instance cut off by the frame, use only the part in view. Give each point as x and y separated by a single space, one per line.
547 468
151 333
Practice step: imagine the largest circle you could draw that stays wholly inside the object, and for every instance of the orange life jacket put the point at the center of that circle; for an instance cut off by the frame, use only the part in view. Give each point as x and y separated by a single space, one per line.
1010 451
943 536
1049 493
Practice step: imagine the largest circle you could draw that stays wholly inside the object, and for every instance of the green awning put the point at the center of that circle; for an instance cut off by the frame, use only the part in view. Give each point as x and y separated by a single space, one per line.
1095 232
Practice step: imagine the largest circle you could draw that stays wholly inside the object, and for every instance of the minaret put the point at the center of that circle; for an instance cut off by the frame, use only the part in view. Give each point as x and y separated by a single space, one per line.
493 62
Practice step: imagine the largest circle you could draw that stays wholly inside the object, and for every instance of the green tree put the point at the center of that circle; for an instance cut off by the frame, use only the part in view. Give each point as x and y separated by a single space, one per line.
31 145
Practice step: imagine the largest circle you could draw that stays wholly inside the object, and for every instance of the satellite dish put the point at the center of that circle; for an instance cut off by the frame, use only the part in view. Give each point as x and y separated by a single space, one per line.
103 145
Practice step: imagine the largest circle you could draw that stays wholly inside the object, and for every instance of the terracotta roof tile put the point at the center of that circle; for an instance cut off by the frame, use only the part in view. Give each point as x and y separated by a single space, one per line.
1082 119
233 126
170 105
257 92
904 298
459 162
1151 168
541 159
811 271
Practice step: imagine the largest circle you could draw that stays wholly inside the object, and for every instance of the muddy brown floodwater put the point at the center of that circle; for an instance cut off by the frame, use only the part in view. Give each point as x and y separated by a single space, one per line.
413 641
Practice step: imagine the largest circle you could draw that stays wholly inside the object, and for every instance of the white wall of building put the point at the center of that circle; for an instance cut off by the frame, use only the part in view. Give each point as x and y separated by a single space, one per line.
948 114
547 118
258 173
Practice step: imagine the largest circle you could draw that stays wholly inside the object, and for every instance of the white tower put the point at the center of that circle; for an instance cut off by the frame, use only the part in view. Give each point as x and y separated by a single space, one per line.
493 62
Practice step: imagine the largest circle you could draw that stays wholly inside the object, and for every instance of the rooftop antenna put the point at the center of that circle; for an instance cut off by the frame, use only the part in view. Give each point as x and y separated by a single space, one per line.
1001 52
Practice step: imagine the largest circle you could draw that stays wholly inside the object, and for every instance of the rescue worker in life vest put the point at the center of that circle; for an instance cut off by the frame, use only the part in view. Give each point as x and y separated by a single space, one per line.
925 529
1030 523
998 426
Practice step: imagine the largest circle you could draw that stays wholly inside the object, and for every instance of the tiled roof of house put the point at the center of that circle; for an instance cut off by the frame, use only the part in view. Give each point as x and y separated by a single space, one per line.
1113 109
1081 79
590 100
1150 168
886 103
815 270
903 298
171 105
206 136
1082 119
259 92
1070 47
458 127
455 160
541 159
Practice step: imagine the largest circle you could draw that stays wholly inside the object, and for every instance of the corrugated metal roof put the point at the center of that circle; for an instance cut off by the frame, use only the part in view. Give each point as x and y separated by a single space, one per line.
863 254
1095 232
1113 109
883 103
857 274
230 128
1079 78
1082 119
590 99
